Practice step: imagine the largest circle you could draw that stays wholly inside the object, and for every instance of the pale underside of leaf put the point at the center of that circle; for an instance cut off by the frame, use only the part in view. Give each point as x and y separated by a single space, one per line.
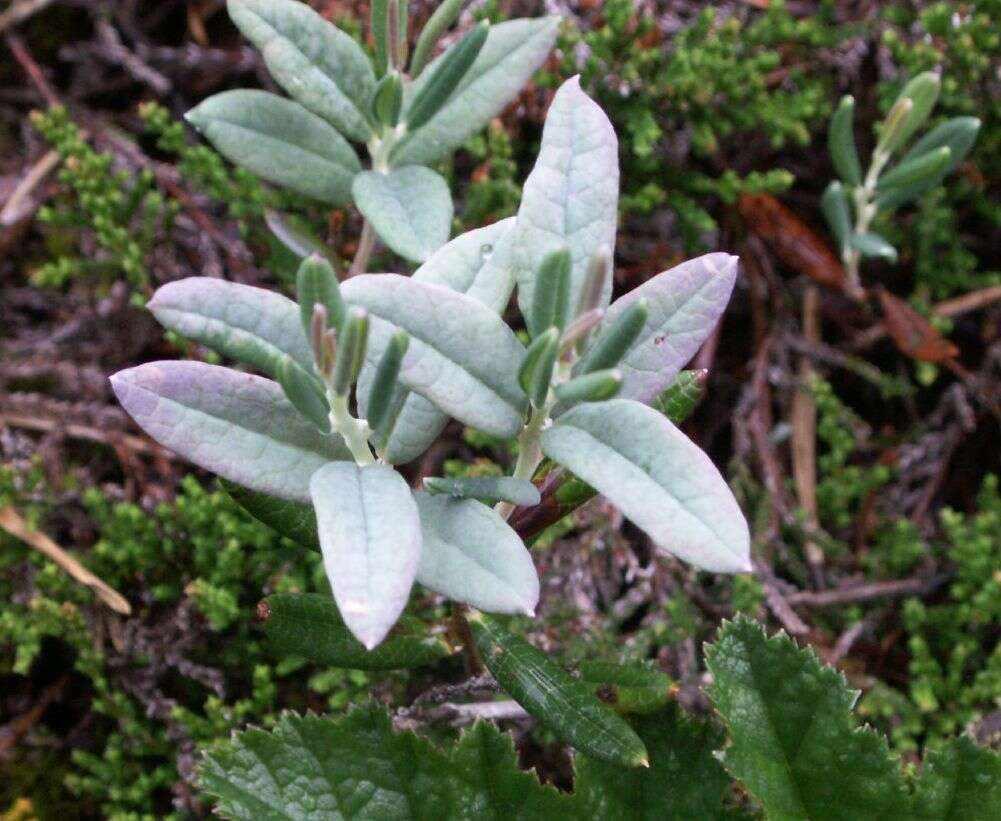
473 263
249 324
514 50
462 356
237 425
657 477
470 554
571 197
685 304
315 62
279 140
370 537
410 209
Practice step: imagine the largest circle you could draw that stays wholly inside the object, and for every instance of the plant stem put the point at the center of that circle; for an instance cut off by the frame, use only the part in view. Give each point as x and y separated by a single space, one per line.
354 431
865 211
366 244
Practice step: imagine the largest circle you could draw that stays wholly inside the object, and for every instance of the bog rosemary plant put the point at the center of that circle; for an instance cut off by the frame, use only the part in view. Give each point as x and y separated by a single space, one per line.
851 203
362 375
407 115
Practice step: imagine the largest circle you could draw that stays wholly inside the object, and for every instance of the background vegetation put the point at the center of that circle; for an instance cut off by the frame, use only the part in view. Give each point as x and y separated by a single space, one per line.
887 561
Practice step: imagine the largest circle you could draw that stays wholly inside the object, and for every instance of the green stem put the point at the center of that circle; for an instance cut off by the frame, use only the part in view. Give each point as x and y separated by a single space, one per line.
354 431
865 212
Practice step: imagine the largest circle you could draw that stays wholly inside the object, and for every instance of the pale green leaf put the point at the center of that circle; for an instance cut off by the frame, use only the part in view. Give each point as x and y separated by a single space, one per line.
279 141
315 62
514 50
370 537
410 209
251 325
571 197
657 477
237 425
462 356
471 555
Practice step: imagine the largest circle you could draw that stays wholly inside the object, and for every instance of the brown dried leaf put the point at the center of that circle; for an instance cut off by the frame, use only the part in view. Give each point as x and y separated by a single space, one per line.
912 333
795 243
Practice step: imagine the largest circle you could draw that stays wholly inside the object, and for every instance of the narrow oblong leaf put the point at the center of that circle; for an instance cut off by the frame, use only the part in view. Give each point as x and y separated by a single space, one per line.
316 284
657 477
445 76
249 324
841 142
473 263
304 392
565 705
316 63
514 50
917 169
279 141
471 555
439 22
536 372
351 345
571 197
370 536
592 387
628 688
871 244
486 488
234 424
310 626
922 91
410 209
794 742
386 375
295 233
462 356
837 212
379 25
387 101
685 303
894 124
551 301
294 520
616 338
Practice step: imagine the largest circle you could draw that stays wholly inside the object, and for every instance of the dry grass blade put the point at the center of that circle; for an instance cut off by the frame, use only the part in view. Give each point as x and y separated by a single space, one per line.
12 522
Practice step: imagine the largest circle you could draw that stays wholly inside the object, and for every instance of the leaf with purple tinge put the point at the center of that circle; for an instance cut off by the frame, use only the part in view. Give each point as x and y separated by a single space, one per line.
571 197
685 303
657 477
245 323
370 536
235 424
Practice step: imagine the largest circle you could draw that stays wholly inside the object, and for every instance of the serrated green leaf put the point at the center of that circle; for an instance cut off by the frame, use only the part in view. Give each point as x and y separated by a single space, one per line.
279 141
679 400
570 199
248 324
959 782
657 477
294 520
794 742
564 704
489 488
685 782
685 304
462 356
356 767
370 535
471 555
511 55
309 625
410 209
316 63
237 425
